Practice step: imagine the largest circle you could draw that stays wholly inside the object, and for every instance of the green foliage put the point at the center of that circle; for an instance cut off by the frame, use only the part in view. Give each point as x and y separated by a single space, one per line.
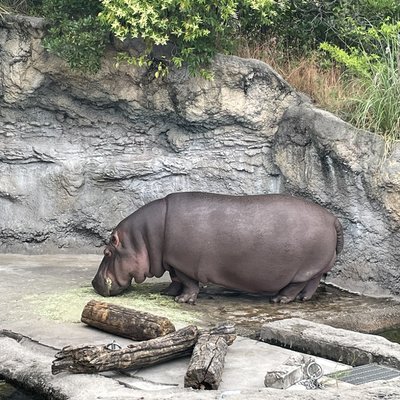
357 61
302 25
254 16
376 64
29 7
196 29
360 35
76 33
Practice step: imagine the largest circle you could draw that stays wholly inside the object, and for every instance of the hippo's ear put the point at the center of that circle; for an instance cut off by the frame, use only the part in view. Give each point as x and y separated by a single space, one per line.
115 239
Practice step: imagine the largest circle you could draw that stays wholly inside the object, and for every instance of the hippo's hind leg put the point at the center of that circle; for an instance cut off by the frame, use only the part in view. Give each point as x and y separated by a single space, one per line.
190 289
289 292
175 288
309 289
312 285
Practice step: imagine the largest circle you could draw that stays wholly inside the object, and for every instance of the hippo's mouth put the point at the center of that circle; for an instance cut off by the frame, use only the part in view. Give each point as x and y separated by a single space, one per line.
107 287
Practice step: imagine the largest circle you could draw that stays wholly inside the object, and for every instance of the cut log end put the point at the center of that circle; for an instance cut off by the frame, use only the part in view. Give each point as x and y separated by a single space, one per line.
207 362
208 356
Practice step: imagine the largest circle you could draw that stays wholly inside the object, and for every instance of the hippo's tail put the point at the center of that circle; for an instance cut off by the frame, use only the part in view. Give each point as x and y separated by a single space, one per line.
339 236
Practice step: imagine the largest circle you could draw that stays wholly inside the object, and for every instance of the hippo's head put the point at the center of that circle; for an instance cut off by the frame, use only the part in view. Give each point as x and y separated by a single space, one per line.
121 263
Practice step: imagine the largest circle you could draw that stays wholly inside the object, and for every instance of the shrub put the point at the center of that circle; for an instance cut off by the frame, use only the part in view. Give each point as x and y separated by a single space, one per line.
375 63
302 25
197 29
76 34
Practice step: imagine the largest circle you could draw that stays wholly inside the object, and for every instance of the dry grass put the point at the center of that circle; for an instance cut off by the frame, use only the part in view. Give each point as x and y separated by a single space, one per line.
326 86
373 105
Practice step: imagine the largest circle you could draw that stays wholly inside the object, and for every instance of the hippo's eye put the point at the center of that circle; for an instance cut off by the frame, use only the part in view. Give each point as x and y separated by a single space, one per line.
107 252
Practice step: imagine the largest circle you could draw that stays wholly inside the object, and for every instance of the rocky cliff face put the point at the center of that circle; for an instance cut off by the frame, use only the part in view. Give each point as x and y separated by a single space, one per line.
79 153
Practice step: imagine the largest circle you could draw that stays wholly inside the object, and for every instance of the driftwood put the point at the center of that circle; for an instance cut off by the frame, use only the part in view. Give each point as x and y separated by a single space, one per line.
208 357
125 322
91 359
225 329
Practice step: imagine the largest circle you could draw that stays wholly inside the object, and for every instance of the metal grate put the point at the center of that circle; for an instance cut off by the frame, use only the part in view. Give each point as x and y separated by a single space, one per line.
368 373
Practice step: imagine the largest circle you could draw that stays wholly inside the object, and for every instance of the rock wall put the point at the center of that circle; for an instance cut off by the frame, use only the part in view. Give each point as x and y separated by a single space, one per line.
79 153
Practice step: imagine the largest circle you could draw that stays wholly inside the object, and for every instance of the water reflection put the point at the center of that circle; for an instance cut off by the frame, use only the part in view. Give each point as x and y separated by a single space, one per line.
391 334
10 392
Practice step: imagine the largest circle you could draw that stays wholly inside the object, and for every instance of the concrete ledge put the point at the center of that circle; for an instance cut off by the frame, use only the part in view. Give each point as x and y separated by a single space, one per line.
29 367
352 348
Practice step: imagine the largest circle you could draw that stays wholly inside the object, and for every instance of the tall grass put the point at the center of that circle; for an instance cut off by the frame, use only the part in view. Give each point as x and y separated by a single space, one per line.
369 100
377 105
325 85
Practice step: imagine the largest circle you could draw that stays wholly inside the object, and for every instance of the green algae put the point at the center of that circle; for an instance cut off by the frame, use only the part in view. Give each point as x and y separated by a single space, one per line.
392 334
67 305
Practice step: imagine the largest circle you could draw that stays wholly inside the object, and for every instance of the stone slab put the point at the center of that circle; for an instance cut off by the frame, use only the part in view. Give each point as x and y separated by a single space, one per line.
32 369
342 345
292 371
283 376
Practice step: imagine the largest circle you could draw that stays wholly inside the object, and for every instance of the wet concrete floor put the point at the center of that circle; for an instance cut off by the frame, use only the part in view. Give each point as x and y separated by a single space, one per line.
43 297
31 284
330 305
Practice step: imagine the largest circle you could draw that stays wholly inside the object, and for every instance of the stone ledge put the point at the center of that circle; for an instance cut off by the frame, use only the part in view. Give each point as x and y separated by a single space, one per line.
341 345
31 369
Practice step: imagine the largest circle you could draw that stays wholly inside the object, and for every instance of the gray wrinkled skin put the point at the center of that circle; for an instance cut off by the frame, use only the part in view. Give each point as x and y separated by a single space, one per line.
272 244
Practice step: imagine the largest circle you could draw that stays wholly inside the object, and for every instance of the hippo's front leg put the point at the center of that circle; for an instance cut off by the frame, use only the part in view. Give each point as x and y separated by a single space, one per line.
190 289
175 288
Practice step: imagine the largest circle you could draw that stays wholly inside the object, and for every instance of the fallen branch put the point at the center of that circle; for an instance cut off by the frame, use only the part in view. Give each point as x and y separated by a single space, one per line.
126 322
91 359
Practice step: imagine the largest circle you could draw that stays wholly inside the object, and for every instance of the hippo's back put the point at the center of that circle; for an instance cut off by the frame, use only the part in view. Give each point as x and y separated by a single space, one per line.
253 243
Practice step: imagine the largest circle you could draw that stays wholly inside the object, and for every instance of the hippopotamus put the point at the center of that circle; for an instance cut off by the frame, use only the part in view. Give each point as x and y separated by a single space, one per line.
273 244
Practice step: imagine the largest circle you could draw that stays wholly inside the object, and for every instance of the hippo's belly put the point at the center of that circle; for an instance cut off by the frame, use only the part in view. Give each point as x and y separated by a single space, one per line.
252 243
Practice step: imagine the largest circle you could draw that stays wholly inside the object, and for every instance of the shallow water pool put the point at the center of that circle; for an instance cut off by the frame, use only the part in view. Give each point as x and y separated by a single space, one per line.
10 392
391 334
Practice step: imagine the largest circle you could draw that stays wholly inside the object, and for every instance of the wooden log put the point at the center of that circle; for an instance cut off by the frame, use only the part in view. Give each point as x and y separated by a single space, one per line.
91 359
225 329
207 362
126 322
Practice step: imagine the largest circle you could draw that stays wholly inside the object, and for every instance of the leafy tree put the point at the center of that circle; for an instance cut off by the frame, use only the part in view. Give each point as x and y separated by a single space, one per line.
196 29
302 25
